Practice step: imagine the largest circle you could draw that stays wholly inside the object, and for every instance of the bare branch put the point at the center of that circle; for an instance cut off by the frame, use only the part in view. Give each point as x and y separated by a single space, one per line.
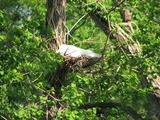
3 117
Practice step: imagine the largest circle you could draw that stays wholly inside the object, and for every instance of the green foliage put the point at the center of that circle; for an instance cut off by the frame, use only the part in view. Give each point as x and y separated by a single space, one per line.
25 61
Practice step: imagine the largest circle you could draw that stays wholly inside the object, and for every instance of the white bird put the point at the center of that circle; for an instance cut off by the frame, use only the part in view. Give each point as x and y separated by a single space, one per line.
73 51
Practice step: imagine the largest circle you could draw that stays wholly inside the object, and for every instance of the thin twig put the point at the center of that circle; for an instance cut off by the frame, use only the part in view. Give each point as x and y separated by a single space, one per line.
99 71
83 90
33 86
85 4
113 8
3 117
102 6
106 43
102 71
46 92
77 22
103 52
37 78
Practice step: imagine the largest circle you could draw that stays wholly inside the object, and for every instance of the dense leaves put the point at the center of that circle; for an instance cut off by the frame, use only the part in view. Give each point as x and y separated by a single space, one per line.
26 59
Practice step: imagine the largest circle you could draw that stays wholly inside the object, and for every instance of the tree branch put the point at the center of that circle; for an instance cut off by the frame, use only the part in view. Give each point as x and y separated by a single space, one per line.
127 109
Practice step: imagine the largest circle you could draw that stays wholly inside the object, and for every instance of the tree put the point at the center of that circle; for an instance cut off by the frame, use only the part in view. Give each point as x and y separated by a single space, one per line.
116 86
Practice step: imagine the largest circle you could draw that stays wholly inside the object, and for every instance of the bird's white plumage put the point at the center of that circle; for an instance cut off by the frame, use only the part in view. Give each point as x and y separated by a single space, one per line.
73 51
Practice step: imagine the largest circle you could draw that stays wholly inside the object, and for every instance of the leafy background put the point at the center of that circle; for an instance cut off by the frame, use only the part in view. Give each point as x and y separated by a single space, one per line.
25 60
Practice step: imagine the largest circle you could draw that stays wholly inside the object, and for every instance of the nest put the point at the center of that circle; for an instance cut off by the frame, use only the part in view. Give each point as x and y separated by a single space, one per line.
70 64
82 62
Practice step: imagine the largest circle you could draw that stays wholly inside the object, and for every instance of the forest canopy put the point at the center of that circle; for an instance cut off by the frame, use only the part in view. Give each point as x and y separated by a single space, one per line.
37 83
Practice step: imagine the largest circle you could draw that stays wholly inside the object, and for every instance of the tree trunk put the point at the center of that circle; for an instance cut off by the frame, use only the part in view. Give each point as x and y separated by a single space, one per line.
56 19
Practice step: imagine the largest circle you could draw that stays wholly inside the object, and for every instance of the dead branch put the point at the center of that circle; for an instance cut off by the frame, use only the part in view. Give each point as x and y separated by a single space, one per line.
128 26
129 46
